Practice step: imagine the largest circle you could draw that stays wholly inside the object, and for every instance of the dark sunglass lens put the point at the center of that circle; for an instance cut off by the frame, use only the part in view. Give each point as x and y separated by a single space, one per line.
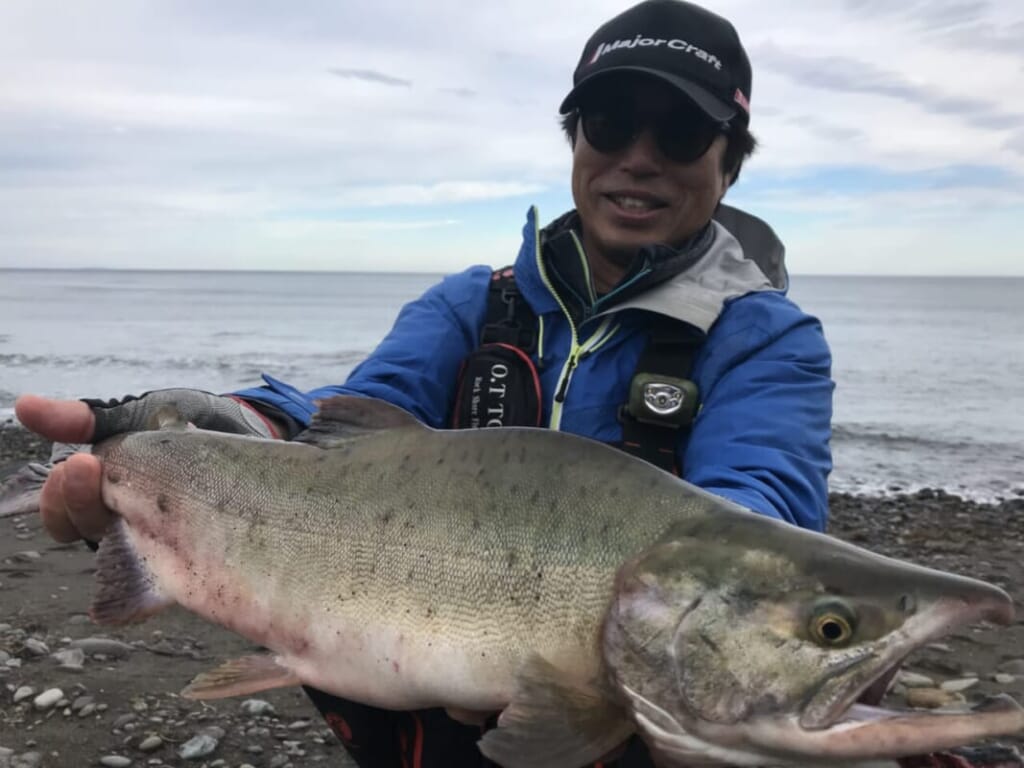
685 134
607 129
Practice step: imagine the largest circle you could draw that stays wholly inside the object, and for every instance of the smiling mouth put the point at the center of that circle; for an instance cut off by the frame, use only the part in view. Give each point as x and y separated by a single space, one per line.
634 204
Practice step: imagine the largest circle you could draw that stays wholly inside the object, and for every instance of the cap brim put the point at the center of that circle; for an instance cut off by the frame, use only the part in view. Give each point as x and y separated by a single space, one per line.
714 107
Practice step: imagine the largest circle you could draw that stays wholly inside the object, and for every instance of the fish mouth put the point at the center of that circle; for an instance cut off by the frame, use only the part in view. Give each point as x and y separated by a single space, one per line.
841 717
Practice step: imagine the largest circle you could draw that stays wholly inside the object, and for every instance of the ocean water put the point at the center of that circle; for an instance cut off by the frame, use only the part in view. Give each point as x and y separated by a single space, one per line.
929 371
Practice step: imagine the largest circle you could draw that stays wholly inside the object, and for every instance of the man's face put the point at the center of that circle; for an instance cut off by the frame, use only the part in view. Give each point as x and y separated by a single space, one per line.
637 195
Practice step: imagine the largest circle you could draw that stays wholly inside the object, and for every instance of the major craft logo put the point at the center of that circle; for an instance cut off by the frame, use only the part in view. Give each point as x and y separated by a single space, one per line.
655 42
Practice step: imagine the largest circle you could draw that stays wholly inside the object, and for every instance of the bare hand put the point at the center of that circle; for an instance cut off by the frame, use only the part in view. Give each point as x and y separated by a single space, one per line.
70 503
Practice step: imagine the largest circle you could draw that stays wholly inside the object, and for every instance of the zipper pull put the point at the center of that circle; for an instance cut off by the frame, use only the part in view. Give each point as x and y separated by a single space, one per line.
560 396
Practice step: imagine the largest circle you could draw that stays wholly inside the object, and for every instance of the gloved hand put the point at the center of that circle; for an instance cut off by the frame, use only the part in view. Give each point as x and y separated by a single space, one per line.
69 501
207 411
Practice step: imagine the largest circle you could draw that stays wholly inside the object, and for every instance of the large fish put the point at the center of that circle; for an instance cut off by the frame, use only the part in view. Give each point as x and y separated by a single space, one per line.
580 591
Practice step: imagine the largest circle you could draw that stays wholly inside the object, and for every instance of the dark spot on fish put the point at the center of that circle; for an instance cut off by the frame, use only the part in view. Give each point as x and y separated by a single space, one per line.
552 506
507 456
395 666
162 503
535 497
510 560
709 642
613 491
604 528
430 612
440 460
113 477
386 517
476 524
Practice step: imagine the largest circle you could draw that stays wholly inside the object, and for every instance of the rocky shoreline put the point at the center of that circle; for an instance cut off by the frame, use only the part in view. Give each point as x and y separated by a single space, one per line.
73 694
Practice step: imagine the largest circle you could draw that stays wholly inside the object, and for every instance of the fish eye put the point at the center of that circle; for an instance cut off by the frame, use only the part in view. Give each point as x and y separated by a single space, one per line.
832 624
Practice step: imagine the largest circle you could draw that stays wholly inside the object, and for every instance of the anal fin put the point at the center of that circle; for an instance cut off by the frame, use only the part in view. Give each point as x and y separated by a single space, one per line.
240 677
555 721
126 590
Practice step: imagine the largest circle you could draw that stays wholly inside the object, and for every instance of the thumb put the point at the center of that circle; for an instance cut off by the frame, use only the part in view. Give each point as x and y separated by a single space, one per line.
63 421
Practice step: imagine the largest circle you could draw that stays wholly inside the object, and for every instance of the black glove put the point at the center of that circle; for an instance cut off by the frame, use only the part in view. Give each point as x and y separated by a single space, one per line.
207 411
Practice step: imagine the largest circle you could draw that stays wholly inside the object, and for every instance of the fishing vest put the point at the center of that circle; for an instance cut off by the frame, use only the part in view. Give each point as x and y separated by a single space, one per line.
498 384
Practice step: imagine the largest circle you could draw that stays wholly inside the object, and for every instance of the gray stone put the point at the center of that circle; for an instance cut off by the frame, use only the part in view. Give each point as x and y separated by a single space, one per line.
36 647
115 761
915 680
151 743
103 646
47 699
956 686
1012 667
198 747
26 691
256 707
1004 679
79 702
931 698
70 659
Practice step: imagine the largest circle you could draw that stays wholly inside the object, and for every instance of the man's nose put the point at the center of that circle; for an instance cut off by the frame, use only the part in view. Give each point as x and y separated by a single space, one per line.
642 157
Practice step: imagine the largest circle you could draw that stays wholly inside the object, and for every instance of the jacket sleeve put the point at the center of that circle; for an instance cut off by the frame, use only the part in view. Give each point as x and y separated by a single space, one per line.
761 438
416 365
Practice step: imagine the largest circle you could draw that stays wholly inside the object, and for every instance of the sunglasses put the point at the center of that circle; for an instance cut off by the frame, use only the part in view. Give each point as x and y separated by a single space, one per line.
683 133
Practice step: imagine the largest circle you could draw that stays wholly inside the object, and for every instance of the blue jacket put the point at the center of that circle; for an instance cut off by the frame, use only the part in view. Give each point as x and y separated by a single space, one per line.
761 437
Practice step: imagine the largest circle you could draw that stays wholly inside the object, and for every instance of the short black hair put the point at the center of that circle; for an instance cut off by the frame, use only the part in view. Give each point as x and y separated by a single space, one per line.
741 142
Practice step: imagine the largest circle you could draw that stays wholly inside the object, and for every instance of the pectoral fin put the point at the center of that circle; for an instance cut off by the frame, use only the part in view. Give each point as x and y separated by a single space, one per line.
555 721
126 590
240 677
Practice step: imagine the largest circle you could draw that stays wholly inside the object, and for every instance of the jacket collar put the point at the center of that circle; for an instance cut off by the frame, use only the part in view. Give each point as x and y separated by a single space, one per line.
736 254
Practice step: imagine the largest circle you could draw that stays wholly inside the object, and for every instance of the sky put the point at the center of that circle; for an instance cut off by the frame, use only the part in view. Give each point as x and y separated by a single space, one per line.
397 135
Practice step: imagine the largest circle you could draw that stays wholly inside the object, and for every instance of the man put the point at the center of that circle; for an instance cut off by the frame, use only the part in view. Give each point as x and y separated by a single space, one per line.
648 296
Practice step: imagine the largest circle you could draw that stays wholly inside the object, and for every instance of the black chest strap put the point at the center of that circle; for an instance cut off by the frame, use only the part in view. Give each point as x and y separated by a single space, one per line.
499 385
663 400
509 318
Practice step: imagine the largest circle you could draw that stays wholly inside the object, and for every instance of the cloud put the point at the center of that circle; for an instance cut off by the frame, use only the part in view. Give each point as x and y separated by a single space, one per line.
924 14
1016 143
190 132
849 75
464 93
370 76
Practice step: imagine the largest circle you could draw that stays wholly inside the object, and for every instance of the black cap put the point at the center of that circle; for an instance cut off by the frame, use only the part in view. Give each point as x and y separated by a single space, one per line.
680 43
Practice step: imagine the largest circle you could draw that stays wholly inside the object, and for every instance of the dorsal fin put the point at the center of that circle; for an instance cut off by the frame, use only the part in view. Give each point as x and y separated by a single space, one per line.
343 417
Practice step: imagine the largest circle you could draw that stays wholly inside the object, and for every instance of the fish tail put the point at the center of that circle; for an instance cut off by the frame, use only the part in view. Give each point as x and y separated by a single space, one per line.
126 589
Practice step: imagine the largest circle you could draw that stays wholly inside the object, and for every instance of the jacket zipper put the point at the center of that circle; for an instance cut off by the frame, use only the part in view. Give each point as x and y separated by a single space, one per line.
577 351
